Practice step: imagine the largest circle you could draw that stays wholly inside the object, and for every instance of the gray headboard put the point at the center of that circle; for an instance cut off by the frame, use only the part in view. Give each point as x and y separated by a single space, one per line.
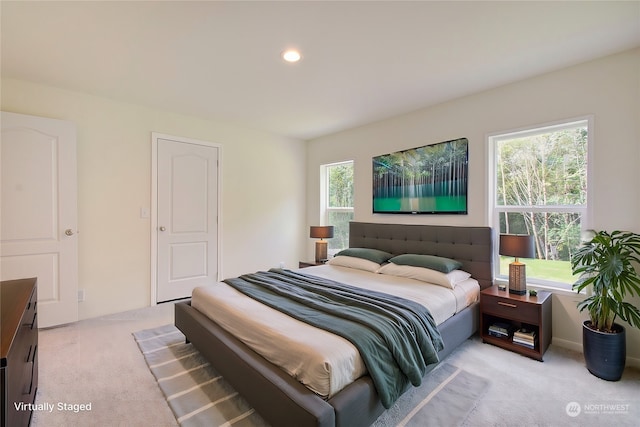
472 246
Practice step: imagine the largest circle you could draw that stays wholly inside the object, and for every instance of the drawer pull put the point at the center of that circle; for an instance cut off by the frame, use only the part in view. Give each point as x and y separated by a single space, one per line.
28 387
506 304
29 390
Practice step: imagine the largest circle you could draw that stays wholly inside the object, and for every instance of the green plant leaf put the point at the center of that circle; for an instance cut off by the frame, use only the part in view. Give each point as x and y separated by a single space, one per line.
606 264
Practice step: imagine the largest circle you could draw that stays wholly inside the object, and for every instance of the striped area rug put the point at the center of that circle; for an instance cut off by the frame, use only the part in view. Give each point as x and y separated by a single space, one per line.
199 396
446 398
196 393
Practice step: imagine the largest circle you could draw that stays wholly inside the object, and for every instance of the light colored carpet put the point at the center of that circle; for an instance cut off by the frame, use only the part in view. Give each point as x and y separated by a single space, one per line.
526 392
199 396
97 361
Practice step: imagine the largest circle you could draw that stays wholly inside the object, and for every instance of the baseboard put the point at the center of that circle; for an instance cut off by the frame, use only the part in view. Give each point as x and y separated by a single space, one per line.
569 345
632 362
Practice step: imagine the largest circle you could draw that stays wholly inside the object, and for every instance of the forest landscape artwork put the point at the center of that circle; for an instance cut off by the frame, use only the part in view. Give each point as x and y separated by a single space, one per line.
432 179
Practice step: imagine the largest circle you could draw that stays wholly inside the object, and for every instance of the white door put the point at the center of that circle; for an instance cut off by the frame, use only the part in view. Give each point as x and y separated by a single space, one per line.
186 225
39 212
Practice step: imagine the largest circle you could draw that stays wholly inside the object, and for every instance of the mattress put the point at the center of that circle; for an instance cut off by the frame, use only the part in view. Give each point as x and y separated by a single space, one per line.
322 361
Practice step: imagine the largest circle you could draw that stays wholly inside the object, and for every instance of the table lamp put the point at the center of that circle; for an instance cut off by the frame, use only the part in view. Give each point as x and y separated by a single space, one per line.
321 232
518 246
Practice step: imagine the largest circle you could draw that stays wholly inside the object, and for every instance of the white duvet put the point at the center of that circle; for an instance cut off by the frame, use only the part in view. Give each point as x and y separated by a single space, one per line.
322 361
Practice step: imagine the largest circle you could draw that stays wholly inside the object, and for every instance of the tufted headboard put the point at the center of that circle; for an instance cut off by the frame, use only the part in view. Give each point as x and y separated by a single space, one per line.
472 246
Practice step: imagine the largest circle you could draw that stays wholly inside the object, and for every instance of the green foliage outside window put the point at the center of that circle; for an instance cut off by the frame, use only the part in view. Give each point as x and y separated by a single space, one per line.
541 190
341 185
340 203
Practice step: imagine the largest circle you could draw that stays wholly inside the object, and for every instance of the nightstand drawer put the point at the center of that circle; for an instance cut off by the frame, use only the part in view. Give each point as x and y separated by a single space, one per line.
511 309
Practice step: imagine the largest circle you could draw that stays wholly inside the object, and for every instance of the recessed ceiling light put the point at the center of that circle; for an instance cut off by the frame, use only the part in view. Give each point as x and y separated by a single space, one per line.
291 55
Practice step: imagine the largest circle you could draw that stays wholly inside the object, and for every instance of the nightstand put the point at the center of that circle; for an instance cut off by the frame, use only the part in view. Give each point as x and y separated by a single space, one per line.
500 310
303 264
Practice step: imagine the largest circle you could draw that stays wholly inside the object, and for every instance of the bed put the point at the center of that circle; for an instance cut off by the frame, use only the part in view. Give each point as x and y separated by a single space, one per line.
283 400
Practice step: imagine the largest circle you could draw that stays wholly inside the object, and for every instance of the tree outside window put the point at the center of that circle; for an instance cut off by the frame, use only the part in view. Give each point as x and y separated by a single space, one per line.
541 189
338 203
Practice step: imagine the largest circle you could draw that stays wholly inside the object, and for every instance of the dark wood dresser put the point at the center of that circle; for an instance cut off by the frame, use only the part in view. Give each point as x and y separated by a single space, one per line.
19 350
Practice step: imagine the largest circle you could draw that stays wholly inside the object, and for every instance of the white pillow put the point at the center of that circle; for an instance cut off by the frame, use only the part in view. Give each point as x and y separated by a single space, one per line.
353 262
448 280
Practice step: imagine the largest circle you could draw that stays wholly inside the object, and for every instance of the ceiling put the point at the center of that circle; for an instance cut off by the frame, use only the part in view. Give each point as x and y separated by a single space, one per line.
362 61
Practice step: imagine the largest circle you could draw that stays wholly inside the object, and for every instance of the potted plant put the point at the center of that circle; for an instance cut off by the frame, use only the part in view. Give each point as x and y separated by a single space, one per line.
606 264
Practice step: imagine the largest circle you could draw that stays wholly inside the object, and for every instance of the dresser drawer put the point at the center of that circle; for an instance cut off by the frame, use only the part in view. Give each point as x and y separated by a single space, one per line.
19 350
510 309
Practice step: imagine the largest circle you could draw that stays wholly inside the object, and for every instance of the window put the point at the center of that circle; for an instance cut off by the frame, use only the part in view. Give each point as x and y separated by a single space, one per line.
337 202
539 184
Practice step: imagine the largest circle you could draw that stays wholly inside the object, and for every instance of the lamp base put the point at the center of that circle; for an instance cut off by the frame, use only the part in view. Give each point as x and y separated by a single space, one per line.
321 251
517 278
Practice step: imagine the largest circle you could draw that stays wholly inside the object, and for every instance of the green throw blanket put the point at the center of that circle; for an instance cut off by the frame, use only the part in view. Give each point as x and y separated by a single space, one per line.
397 338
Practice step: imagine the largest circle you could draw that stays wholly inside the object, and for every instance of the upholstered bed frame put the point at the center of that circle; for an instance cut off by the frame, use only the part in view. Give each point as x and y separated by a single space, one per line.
281 399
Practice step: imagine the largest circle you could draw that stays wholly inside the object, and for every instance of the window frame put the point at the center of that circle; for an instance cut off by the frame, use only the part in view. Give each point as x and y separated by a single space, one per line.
325 209
495 210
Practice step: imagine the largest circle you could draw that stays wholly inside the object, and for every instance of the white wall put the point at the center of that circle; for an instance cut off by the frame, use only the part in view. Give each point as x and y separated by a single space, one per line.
608 88
263 193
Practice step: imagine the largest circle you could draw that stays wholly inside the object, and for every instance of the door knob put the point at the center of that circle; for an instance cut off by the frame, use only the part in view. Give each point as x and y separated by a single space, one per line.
162 228
68 232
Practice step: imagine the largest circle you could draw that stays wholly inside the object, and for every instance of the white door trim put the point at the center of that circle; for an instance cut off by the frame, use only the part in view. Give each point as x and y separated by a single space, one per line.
155 136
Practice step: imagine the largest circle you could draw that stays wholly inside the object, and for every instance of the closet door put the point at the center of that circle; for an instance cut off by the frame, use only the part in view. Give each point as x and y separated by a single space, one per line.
187 213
